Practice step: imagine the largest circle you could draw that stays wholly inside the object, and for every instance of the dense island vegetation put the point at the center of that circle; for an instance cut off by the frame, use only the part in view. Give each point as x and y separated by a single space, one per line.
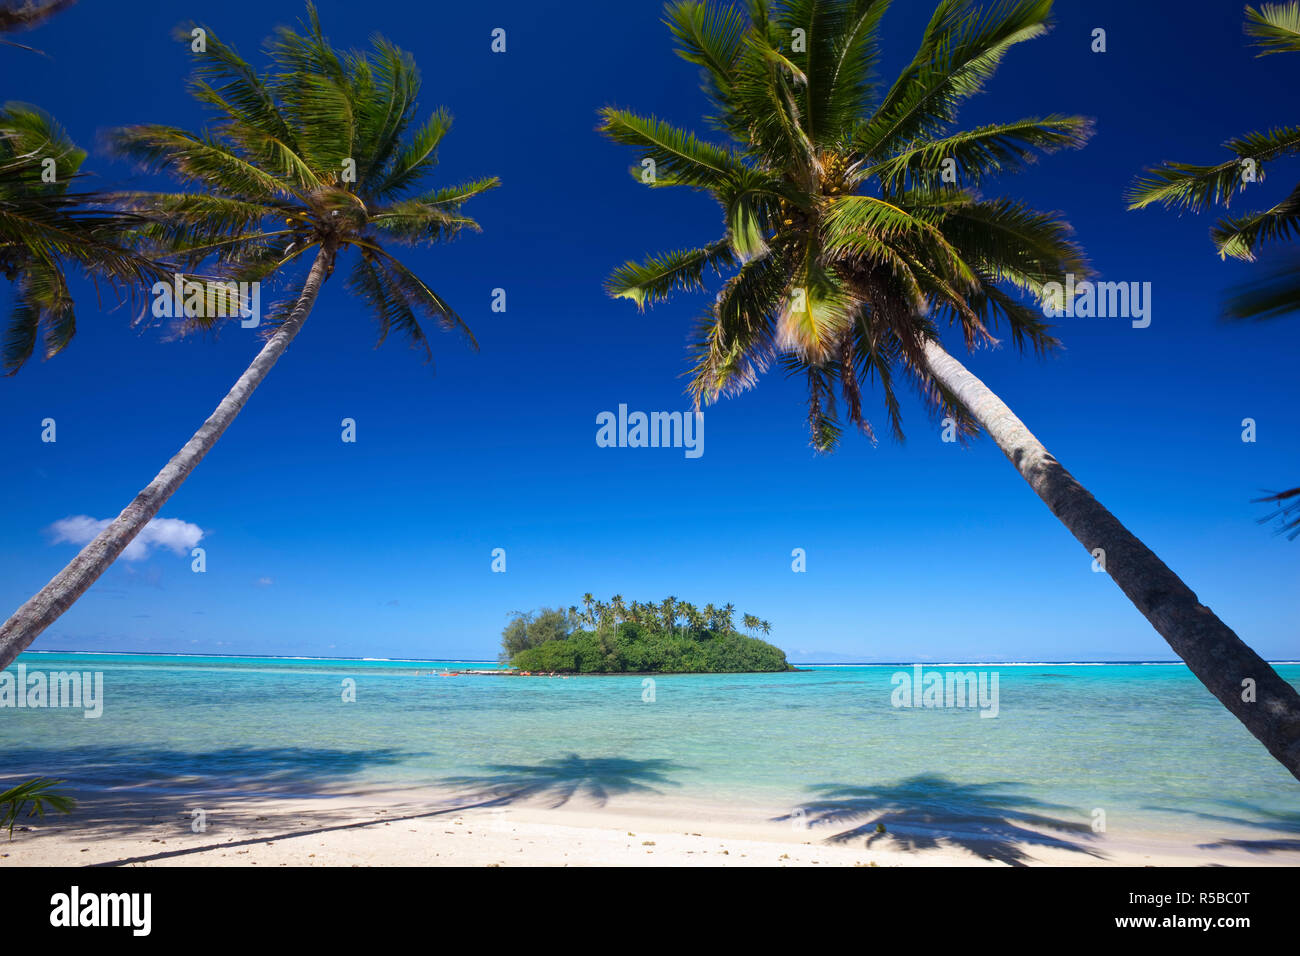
617 638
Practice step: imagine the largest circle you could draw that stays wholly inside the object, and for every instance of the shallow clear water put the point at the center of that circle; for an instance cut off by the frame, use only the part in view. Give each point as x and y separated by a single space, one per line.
1145 743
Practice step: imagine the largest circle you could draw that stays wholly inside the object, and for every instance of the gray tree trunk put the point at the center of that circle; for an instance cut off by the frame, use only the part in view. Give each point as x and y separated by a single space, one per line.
44 608
1240 678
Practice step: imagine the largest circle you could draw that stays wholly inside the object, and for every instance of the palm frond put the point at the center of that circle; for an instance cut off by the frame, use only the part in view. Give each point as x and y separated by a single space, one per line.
1012 243
45 228
710 36
816 309
196 160
960 50
1185 186
976 154
36 797
1242 237
246 108
415 160
42 310
680 158
842 52
405 286
862 226
311 81
1274 295
738 340
433 217
657 277
1288 514
1274 27
387 109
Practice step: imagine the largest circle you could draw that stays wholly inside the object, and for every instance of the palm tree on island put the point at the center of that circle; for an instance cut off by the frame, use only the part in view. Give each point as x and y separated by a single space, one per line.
319 156
854 234
668 611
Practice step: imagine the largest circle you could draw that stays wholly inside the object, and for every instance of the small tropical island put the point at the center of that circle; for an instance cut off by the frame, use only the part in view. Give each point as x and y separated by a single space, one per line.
615 637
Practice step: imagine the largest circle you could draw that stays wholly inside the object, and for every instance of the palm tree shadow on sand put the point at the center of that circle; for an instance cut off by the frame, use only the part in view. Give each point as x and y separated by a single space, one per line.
930 811
294 772
1248 816
557 781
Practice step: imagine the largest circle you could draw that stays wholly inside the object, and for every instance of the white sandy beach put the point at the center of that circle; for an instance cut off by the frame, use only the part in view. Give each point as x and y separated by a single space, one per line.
426 828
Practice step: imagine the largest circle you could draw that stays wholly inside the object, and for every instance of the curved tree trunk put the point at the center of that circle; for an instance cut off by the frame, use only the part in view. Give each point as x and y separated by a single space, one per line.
69 584
1240 678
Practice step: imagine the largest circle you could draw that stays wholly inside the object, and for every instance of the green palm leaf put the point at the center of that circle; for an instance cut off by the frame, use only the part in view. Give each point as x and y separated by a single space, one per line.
712 37
985 151
653 280
1242 237
36 797
1184 186
960 51
1273 295
46 227
680 158
1274 27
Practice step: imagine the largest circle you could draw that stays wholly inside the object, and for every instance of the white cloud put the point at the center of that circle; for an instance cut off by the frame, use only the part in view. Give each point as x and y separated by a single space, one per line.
171 533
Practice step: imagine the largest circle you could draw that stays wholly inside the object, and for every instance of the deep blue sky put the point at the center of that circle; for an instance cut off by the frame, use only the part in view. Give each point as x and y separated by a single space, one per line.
920 551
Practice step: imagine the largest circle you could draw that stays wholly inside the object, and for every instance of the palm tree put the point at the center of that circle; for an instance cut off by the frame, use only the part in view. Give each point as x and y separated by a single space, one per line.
588 602
692 614
271 184
1275 28
750 623
727 613
765 627
711 617
849 246
668 611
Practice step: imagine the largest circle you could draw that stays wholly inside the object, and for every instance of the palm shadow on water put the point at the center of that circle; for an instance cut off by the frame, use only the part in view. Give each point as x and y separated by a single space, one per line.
929 811
125 791
1276 821
122 789
272 771
557 781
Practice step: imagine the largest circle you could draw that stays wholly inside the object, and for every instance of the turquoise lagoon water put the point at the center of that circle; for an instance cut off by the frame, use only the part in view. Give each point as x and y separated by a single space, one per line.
1147 743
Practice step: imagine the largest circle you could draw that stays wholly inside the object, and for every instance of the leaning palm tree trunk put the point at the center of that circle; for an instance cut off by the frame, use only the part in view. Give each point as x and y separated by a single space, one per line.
1240 678
69 584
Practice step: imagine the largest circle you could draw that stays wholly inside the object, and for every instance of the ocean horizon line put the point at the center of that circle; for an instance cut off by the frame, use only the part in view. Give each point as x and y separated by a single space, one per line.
469 660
